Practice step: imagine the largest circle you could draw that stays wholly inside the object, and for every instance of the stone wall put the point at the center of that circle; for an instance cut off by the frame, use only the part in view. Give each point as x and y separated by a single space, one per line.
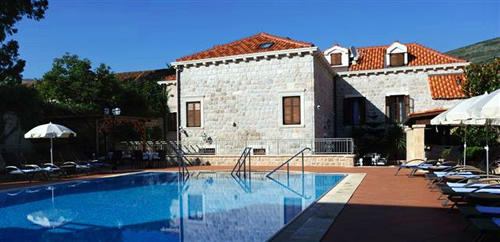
275 160
376 87
324 101
242 100
415 142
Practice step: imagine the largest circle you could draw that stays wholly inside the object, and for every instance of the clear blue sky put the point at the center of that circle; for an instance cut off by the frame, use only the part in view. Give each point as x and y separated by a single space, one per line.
131 35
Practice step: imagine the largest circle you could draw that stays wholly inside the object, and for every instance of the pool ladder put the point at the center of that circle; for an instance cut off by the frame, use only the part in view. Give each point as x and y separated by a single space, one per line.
287 163
287 185
242 164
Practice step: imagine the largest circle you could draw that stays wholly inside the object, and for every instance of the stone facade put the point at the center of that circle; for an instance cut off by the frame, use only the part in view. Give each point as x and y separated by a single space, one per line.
375 87
243 100
275 160
415 142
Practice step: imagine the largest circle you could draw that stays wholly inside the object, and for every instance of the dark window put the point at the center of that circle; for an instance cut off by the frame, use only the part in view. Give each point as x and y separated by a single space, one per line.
336 59
195 207
259 151
397 59
291 110
397 108
266 45
172 122
355 111
193 114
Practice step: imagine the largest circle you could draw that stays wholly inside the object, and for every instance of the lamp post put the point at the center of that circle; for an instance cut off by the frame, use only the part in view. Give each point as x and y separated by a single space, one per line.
113 112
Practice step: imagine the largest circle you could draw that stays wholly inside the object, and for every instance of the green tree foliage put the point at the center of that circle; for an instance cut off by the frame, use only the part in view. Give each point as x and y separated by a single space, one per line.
27 109
11 12
147 95
72 84
481 78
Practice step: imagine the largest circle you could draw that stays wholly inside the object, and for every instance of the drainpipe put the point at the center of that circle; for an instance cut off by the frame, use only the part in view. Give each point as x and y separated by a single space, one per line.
178 75
334 106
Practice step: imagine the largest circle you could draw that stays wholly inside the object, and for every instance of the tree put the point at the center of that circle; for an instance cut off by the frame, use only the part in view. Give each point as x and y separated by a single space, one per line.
481 78
147 93
11 12
72 84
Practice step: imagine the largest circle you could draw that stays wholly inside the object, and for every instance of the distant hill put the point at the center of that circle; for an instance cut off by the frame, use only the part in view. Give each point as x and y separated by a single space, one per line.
479 53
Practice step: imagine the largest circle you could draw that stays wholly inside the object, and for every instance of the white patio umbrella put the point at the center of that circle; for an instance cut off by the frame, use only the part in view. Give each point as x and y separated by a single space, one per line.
49 131
485 112
454 115
52 218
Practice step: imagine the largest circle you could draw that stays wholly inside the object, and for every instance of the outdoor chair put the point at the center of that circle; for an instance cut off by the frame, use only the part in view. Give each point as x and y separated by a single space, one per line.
479 211
461 195
457 171
73 168
28 171
52 170
486 226
411 164
426 167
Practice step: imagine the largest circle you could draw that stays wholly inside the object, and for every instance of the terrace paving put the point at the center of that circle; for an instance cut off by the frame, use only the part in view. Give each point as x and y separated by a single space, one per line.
383 208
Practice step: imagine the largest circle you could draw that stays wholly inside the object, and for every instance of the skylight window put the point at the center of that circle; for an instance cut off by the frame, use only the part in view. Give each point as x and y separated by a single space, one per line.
266 45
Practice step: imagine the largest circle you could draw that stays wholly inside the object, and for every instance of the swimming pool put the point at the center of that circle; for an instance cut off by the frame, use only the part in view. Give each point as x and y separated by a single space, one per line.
209 206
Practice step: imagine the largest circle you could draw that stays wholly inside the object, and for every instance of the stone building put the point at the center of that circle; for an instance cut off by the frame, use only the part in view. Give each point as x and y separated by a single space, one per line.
265 90
389 84
261 89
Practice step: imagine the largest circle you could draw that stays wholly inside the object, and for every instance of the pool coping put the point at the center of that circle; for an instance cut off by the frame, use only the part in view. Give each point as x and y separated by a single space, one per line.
313 223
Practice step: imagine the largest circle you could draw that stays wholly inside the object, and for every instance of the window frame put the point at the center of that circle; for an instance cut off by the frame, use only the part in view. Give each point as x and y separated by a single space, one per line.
336 55
280 114
294 102
195 124
348 113
401 106
401 57
184 111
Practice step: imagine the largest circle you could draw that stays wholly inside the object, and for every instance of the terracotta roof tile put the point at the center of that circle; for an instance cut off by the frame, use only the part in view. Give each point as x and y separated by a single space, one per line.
446 87
158 74
248 45
172 77
371 58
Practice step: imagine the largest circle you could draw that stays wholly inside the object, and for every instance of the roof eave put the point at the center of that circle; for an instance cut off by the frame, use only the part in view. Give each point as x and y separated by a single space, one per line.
245 57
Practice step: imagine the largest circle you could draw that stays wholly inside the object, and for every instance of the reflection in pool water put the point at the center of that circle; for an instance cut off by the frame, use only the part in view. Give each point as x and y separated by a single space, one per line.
210 206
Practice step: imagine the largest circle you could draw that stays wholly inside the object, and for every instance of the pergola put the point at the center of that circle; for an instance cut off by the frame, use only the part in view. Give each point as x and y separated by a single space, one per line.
106 123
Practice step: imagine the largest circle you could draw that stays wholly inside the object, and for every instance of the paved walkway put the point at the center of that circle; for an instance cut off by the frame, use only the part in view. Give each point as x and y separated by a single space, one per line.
384 208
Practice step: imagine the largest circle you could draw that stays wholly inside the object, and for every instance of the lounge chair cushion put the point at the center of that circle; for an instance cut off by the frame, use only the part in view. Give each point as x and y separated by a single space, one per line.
488 210
469 190
453 173
453 184
496 221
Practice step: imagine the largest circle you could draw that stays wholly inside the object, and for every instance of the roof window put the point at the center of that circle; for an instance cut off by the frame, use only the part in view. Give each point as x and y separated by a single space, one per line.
266 45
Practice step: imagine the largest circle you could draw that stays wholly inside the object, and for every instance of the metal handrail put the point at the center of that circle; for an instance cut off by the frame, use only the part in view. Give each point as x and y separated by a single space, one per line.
181 159
242 162
288 163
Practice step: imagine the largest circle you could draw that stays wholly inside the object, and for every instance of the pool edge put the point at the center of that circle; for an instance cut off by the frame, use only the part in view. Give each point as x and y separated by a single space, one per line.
313 223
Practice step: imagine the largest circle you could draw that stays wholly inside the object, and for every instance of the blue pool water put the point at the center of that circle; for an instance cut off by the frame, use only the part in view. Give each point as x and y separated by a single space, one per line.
209 206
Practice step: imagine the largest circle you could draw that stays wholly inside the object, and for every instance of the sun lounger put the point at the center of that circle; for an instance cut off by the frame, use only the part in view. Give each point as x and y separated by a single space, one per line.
73 168
486 226
28 171
415 163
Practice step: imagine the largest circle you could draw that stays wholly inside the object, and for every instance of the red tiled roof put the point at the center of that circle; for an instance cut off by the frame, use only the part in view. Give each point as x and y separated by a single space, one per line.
172 77
248 45
371 58
428 112
158 74
446 87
